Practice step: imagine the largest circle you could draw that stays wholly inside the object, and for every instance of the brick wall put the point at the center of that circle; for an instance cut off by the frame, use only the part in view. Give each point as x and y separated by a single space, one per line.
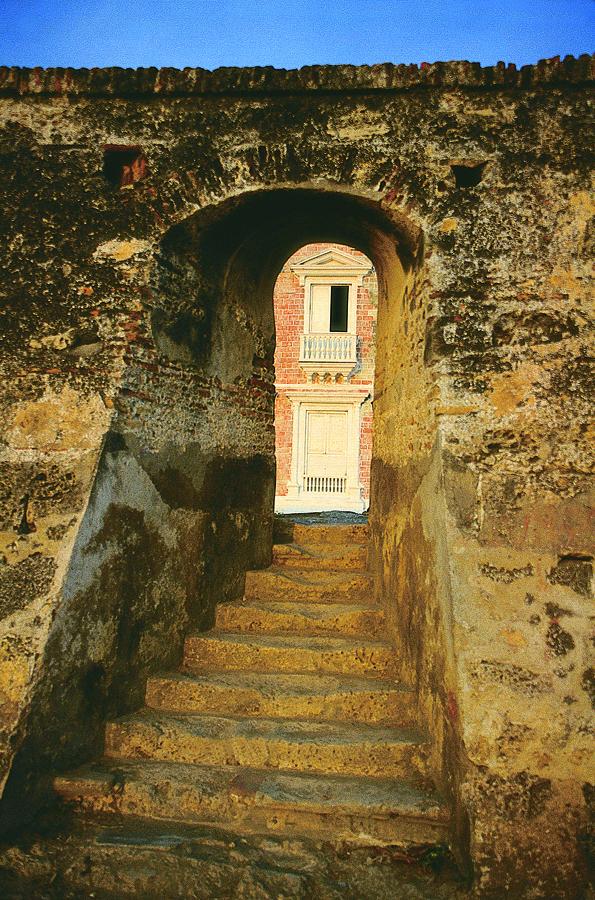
288 301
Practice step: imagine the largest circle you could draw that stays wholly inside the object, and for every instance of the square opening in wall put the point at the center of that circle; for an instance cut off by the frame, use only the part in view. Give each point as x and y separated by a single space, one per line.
468 175
123 164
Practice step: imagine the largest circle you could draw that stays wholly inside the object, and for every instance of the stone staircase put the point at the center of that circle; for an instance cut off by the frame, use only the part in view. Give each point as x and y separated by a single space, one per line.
282 760
286 718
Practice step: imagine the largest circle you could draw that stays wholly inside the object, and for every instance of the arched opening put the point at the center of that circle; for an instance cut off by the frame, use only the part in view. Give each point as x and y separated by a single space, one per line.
212 310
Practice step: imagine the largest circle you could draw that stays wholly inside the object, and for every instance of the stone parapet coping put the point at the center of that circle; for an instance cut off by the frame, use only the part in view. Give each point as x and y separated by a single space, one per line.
118 82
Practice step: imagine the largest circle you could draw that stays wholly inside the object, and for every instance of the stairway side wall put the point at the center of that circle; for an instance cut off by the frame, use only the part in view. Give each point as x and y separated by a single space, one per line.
504 456
408 553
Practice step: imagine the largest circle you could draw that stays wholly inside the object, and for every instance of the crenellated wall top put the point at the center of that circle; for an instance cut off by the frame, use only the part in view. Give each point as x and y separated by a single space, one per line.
119 82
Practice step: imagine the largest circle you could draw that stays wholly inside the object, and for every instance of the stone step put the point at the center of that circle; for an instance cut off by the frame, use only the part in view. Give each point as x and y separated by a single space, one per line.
273 617
323 697
355 810
114 857
285 583
323 747
329 534
321 556
226 651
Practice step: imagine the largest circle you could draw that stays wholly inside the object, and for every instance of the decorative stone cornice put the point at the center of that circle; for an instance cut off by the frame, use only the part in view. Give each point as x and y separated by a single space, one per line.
336 393
346 79
332 263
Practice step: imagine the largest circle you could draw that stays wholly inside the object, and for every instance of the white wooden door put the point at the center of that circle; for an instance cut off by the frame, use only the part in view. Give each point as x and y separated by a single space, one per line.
326 452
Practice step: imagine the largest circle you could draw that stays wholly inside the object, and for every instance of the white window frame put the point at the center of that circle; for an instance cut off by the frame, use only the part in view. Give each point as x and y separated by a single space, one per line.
332 267
316 281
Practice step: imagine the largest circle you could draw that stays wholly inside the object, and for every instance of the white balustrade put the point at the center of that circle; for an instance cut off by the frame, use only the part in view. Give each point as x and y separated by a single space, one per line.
324 484
329 348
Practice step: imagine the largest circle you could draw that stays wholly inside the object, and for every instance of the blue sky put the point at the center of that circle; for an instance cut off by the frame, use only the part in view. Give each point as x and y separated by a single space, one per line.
289 33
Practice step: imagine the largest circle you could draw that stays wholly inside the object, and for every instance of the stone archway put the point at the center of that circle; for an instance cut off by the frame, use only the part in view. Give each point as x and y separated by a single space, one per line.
211 310
188 465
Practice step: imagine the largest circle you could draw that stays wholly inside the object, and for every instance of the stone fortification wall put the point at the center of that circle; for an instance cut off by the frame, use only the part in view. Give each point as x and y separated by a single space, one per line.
146 214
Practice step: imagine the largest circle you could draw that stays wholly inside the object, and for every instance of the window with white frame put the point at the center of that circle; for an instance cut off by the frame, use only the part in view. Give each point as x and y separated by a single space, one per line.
328 308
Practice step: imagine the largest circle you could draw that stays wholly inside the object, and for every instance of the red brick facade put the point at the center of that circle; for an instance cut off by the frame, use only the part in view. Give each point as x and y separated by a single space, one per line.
289 323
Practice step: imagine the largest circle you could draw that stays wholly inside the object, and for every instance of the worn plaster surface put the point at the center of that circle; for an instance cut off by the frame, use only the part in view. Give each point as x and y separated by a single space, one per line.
137 465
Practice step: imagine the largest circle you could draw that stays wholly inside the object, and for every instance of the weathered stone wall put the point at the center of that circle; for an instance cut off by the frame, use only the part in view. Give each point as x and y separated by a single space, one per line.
137 461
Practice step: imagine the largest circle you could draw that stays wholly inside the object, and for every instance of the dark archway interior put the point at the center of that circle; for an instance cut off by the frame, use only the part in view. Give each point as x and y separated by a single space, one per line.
227 258
212 310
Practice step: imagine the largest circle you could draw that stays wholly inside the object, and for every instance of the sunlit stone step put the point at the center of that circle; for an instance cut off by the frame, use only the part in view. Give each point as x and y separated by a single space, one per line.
326 697
326 534
224 651
323 747
274 617
307 585
321 556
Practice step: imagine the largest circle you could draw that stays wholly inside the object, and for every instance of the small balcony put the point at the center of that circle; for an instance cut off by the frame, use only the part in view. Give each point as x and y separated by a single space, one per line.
333 353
